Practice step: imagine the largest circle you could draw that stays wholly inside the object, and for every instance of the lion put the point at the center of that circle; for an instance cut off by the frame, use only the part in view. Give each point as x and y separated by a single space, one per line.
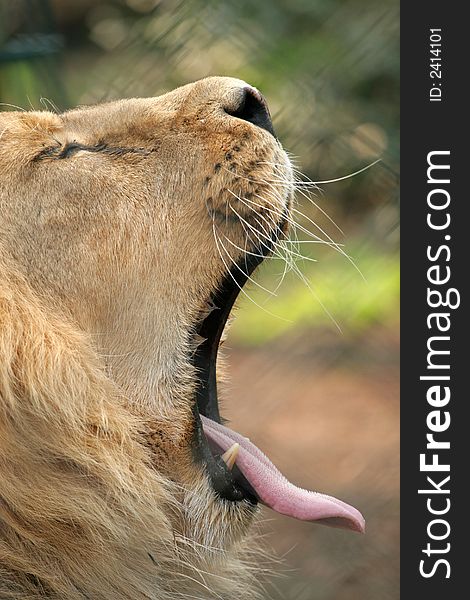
127 232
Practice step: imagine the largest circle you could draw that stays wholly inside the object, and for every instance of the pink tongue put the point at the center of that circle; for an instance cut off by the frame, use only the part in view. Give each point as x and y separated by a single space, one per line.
274 490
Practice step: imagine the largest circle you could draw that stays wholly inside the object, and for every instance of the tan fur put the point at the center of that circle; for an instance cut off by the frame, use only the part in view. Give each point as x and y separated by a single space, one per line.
107 259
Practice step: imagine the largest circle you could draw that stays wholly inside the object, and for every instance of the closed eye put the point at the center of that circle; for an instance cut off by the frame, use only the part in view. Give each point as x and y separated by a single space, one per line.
71 148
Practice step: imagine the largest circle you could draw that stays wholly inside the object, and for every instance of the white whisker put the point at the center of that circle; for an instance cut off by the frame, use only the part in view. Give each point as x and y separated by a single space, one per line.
333 244
240 288
241 270
350 175
266 213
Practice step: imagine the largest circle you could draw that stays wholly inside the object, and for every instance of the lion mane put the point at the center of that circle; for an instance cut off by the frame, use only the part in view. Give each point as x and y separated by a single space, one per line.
83 513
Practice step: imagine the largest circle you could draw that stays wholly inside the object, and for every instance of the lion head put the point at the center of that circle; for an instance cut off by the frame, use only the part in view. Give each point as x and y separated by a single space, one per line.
127 231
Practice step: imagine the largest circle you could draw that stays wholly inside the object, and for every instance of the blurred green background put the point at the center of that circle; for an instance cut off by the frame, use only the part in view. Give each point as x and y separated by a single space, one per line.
314 367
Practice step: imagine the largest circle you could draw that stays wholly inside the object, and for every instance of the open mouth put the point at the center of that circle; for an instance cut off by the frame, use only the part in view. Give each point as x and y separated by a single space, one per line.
237 469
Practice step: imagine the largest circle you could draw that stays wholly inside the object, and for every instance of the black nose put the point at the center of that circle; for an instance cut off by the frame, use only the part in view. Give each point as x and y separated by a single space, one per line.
253 108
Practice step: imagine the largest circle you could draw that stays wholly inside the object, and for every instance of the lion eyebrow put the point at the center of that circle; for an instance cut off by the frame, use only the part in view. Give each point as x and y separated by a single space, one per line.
60 152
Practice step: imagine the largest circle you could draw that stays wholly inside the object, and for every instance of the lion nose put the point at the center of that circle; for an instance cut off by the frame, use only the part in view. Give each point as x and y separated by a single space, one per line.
252 107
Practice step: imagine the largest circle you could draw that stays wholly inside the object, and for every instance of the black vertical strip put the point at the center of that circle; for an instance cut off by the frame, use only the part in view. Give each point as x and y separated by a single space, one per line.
429 126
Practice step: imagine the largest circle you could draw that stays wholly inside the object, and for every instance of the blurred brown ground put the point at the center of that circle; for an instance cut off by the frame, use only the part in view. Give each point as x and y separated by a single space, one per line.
328 418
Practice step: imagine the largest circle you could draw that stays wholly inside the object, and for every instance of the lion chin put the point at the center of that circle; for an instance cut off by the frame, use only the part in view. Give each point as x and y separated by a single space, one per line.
127 231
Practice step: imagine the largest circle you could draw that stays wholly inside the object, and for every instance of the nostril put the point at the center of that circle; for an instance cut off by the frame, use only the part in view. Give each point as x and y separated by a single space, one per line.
253 108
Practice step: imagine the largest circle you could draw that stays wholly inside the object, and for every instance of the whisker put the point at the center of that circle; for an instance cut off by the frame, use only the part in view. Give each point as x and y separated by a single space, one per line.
47 102
241 270
315 295
351 174
245 251
270 201
288 184
261 216
13 106
310 183
270 225
307 232
307 283
317 206
273 248
287 266
268 232
240 288
324 242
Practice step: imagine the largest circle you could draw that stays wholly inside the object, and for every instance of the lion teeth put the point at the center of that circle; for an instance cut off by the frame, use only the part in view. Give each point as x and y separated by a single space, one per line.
229 456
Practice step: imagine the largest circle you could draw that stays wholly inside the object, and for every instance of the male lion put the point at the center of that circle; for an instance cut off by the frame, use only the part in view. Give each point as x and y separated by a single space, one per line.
117 478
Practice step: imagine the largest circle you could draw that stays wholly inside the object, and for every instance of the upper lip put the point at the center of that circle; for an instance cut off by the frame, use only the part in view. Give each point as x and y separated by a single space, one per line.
228 484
